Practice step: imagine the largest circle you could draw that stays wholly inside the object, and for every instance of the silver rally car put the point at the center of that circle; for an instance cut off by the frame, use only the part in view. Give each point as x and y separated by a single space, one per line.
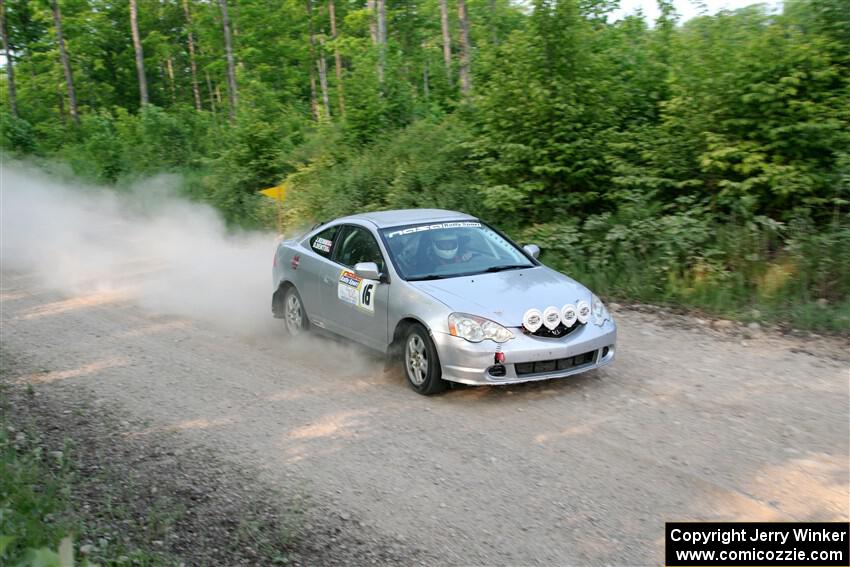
455 299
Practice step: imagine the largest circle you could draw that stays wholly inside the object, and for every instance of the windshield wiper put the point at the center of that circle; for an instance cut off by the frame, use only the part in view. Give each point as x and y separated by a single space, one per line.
432 277
504 267
501 268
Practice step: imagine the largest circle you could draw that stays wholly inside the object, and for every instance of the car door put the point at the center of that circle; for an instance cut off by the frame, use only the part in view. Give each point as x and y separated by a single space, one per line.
317 273
360 305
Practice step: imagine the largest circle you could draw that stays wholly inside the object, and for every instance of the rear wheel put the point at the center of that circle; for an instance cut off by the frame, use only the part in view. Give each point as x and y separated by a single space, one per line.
421 363
294 316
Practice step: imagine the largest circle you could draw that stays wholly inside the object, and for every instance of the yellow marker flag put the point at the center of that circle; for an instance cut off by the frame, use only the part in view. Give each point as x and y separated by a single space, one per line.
277 193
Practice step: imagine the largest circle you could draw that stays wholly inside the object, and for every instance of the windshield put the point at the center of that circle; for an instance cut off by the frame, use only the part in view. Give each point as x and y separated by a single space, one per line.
450 249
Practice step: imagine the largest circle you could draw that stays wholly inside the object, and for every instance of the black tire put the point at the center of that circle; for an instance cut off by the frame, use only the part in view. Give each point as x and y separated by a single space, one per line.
295 321
420 362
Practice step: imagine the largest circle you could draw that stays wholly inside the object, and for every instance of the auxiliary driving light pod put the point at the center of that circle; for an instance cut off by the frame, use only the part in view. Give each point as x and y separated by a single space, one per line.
583 310
551 317
569 315
532 320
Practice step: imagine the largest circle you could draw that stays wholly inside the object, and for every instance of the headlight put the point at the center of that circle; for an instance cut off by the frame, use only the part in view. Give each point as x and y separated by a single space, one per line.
600 312
476 329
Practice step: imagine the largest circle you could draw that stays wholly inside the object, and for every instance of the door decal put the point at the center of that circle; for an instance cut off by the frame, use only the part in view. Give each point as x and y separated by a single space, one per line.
356 291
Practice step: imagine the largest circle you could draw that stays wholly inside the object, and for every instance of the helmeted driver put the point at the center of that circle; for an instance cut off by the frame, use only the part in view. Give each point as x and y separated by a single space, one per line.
446 247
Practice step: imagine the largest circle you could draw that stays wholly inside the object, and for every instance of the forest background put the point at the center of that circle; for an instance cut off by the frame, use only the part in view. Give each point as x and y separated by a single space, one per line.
702 164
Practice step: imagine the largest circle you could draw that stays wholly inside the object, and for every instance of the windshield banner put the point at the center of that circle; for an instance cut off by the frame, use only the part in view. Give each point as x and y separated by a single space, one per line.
437 226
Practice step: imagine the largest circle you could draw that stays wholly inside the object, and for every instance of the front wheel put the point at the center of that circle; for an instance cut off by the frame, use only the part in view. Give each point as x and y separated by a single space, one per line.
421 363
294 316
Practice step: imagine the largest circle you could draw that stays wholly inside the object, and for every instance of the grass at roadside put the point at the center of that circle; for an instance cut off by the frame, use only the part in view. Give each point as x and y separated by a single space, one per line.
32 496
786 309
38 519
73 484
799 279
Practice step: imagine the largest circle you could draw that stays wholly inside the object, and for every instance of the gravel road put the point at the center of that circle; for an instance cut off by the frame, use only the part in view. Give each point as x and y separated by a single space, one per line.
688 424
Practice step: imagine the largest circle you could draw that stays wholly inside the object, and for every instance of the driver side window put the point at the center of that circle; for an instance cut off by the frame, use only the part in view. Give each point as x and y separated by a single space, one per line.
356 245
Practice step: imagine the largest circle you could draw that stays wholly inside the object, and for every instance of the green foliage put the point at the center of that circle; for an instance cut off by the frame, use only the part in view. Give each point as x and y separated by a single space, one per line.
38 521
795 274
765 108
113 145
29 493
423 165
702 162
44 557
16 134
251 155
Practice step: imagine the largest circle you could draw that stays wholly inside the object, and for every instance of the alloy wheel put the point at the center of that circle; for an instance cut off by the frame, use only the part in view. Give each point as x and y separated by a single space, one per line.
416 360
294 315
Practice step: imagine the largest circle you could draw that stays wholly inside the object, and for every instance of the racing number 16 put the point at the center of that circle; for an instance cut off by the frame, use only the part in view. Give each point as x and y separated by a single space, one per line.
366 298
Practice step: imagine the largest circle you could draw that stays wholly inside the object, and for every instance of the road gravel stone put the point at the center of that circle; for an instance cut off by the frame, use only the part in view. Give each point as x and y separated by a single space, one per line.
686 424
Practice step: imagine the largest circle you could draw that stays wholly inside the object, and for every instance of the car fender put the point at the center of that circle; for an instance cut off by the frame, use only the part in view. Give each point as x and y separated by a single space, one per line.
408 303
283 274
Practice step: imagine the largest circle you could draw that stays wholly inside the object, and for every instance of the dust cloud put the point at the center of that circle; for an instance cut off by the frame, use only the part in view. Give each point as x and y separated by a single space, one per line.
170 255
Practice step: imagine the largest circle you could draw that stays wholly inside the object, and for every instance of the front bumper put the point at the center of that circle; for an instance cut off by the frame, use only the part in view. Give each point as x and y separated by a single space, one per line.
584 349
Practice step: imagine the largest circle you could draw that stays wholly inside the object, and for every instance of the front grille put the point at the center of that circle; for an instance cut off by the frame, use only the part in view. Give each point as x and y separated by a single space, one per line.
543 366
557 333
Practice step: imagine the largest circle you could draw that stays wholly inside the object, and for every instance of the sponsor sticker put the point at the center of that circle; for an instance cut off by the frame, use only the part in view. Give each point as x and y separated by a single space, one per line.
356 291
323 244
436 226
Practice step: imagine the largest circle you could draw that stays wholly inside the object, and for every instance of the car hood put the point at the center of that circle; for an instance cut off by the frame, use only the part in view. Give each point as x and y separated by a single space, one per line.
505 296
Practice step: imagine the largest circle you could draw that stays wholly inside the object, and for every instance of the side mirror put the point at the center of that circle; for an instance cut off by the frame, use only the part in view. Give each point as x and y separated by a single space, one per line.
532 249
367 270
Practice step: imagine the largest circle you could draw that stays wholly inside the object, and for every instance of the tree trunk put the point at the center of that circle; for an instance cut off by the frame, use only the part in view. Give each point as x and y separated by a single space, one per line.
61 98
234 23
314 102
322 66
10 71
231 66
140 56
192 65
212 94
447 40
337 58
373 27
169 68
66 61
380 8
426 89
465 73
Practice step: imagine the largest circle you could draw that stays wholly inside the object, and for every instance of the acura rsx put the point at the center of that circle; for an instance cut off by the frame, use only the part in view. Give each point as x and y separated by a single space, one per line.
452 297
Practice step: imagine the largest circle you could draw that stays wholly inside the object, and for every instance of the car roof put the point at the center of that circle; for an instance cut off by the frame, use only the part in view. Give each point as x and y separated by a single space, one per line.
385 219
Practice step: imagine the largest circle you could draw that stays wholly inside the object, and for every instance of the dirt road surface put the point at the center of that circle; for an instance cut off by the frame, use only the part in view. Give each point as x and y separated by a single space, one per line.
688 424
